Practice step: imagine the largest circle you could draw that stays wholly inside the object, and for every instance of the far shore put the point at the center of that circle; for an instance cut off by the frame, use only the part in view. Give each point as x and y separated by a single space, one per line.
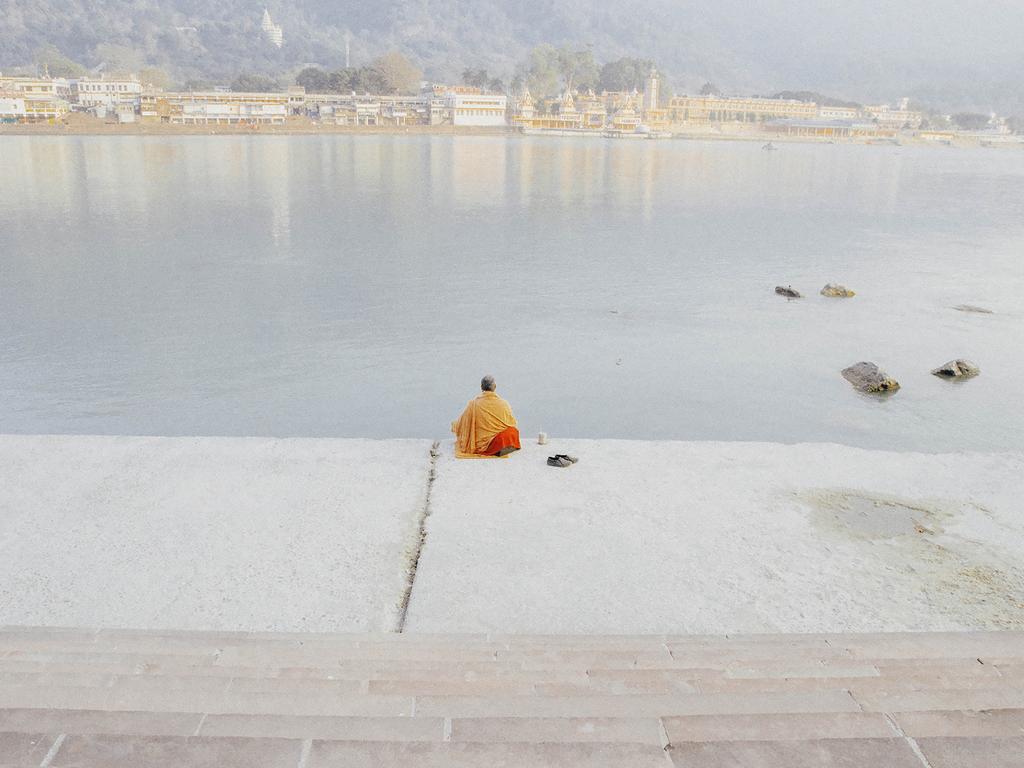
84 125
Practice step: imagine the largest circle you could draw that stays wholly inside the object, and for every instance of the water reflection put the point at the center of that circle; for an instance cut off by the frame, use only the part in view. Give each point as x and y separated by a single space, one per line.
358 285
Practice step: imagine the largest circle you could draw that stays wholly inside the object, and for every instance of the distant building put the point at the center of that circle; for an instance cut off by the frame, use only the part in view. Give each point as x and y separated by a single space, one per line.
526 109
273 32
476 109
222 113
439 89
33 100
751 109
650 101
93 93
215 108
57 87
899 118
830 129
838 113
19 108
591 109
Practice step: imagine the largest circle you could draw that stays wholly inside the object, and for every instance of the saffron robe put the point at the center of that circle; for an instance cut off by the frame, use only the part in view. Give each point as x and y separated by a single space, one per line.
486 417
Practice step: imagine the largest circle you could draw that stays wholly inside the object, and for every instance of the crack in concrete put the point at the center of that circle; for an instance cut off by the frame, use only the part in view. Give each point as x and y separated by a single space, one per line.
421 538
54 749
912 743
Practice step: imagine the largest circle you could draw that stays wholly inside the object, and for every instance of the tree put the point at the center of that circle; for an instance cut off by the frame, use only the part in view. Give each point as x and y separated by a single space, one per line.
475 78
342 80
50 60
1015 123
578 69
933 120
254 83
497 85
970 121
552 71
624 74
155 77
544 75
710 89
314 80
399 74
370 80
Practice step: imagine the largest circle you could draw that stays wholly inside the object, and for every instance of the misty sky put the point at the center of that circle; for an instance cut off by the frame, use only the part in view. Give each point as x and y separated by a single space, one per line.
860 47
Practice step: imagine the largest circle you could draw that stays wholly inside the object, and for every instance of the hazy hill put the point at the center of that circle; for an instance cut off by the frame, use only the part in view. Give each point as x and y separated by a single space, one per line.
938 50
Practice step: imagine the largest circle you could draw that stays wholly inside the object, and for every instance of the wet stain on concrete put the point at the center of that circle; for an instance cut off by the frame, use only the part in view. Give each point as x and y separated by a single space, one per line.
961 579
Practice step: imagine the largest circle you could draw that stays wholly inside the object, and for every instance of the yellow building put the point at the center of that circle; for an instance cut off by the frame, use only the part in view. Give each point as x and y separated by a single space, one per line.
829 129
214 107
720 109
19 108
32 100
559 115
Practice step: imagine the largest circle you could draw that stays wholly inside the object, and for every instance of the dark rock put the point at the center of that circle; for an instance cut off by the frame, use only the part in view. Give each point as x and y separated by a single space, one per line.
972 308
788 291
868 377
956 369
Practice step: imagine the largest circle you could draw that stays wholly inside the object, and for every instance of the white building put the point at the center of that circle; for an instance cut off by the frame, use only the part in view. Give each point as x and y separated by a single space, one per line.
221 113
12 108
651 85
106 94
274 32
838 113
477 109
55 87
31 99
897 118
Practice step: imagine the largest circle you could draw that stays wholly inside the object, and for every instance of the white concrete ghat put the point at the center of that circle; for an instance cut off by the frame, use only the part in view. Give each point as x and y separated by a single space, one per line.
668 537
207 533
721 538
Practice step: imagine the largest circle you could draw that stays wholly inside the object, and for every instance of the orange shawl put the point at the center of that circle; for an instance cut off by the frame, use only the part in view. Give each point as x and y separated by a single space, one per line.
485 416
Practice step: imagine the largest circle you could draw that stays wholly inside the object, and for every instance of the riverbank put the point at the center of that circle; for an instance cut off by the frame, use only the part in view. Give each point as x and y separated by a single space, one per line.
78 124
322 534
87 125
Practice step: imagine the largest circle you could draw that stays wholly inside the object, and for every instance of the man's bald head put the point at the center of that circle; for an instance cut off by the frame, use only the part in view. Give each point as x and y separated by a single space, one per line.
487 383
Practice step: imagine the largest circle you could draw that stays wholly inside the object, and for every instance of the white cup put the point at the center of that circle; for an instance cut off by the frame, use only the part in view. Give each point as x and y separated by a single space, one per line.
542 438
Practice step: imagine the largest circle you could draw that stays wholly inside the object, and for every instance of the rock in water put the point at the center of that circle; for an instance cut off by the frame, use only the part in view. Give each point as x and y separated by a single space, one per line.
956 369
838 291
868 377
788 291
972 308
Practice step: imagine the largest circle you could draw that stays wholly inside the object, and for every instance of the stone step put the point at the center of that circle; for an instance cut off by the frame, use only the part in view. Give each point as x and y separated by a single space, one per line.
973 752
170 650
169 700
102 699
633 705
986 722
778 727
892 752
758 727
119 751
125 751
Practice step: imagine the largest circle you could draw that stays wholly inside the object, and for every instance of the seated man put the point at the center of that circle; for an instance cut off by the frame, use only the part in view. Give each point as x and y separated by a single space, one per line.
487 427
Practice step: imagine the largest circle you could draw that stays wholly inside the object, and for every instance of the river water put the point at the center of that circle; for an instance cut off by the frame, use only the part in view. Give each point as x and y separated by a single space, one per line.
361 285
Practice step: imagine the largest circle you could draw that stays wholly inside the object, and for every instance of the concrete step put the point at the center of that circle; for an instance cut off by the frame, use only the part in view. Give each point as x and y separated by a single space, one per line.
105 698
125 751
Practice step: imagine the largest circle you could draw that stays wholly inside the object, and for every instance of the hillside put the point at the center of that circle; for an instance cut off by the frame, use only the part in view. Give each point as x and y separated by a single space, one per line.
936 51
